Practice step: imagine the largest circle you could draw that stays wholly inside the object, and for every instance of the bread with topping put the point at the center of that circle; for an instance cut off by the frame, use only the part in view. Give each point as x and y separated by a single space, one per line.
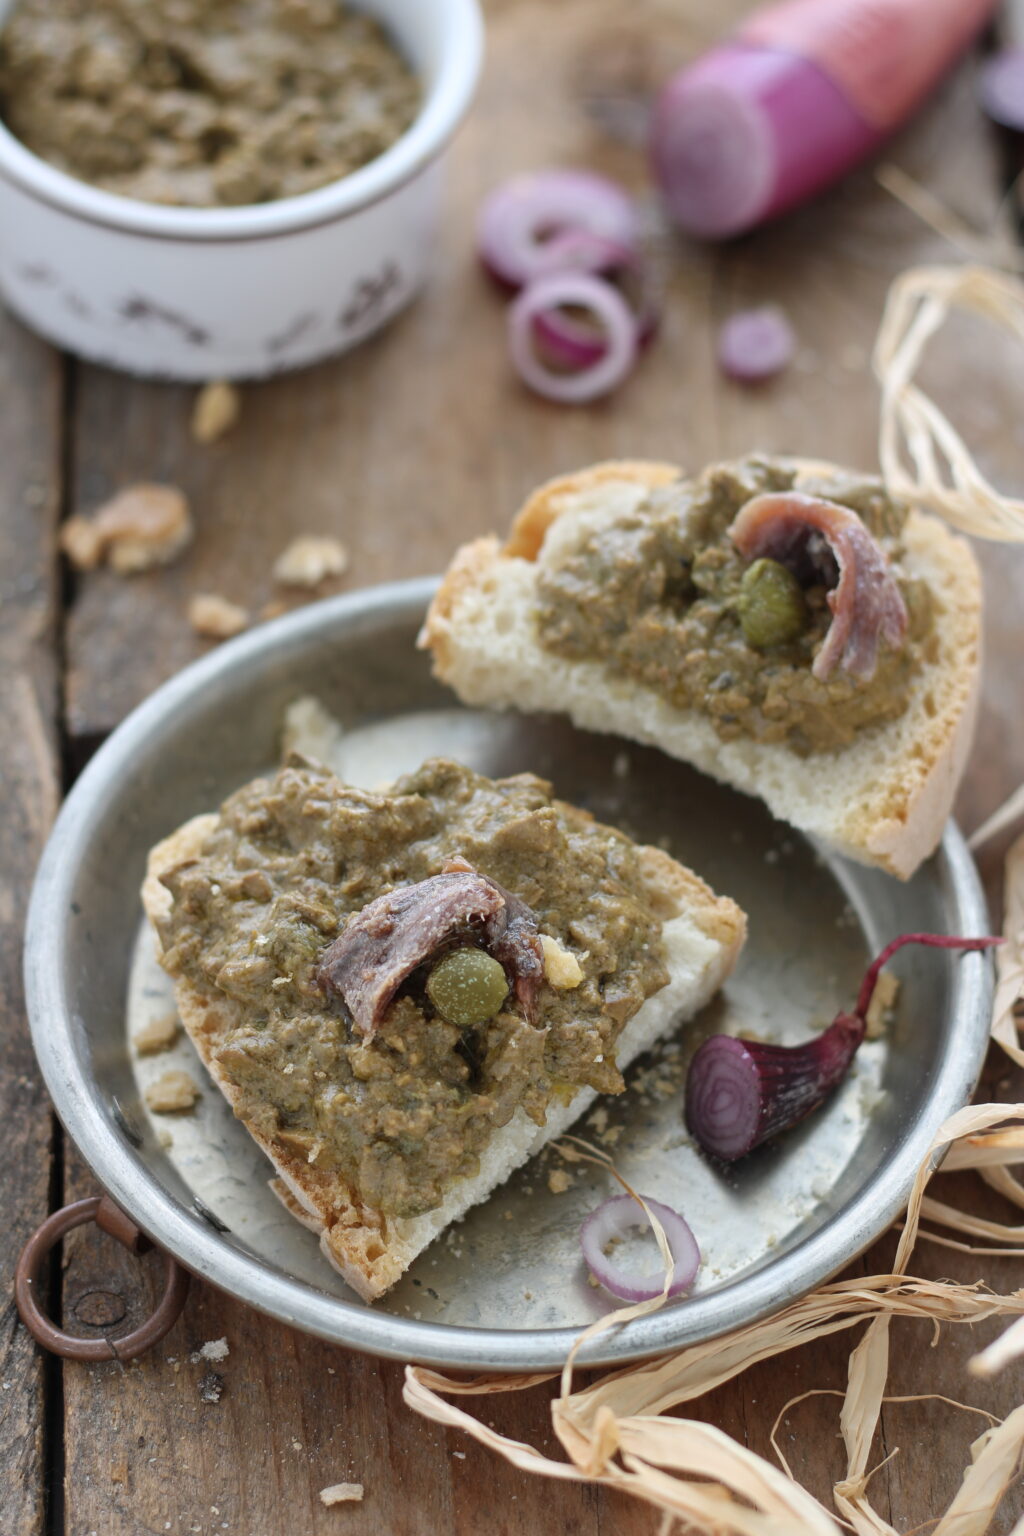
701 937
882 798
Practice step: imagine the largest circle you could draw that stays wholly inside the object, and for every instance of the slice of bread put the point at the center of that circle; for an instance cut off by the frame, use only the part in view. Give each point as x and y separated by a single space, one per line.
882 800
702 936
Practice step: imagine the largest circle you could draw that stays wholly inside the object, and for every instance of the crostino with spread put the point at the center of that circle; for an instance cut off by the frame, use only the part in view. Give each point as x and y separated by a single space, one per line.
203 103
411 967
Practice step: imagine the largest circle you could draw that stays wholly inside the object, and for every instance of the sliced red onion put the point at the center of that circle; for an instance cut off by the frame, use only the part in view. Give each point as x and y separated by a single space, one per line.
755 344
615 1219
740 1093
1001 88
580 250
583 291
572 342
520 219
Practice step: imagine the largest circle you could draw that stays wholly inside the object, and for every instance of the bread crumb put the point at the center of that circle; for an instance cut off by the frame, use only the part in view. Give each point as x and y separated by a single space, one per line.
171 1093
215 617
599 1119
217 409
82 542
309 560
165 1139
883 1000
213 1349
559 1180
158 1035
341 1493
211 1387
312 731
142 526
561 967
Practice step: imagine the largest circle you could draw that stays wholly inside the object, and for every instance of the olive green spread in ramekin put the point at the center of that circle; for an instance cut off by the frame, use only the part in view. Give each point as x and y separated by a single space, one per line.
203 103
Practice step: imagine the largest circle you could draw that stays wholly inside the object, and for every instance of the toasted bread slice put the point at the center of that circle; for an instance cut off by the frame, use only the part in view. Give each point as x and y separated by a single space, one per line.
882 800
702 936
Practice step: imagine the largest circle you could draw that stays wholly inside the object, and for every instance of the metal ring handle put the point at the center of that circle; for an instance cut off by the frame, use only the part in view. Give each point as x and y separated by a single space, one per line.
112 1220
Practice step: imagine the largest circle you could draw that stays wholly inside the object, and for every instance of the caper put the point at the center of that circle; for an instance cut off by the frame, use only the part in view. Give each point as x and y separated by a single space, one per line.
772 606
467 987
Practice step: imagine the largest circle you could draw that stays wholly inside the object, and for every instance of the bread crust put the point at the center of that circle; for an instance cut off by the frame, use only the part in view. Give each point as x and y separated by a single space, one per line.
369 1248
540 509
895 816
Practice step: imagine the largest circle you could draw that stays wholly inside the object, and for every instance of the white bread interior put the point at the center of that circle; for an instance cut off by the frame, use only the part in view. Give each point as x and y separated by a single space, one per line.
702 934
882 800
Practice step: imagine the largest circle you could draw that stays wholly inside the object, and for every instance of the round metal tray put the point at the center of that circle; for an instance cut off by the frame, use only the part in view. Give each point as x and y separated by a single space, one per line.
505 1289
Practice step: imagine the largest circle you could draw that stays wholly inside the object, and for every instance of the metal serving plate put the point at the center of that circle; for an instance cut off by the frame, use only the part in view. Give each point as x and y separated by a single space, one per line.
505 1289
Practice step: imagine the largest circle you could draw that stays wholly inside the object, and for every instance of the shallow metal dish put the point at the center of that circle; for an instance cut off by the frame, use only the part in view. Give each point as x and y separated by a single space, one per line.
505 1289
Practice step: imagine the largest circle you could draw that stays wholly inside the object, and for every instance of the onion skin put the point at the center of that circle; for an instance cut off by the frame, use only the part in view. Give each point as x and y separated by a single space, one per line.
741 1093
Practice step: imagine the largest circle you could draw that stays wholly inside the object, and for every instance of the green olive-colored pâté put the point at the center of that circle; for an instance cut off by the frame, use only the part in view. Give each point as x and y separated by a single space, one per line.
467 987
772 606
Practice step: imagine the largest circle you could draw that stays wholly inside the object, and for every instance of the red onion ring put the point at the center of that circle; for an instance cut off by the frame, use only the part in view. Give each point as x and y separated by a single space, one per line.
755 344
580 289
623 1214
573 343
521 218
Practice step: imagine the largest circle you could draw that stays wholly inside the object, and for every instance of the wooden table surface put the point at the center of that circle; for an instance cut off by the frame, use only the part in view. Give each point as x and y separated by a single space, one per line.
419 439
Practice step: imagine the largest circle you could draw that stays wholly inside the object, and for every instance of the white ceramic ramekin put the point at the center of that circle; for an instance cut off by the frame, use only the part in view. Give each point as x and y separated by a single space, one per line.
203 293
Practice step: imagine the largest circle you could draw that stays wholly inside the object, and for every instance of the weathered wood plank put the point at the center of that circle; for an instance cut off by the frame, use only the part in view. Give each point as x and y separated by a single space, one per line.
396 450
29 782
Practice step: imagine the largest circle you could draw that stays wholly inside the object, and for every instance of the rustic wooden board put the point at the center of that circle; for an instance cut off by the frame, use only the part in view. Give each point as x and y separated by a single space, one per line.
417 441
29 783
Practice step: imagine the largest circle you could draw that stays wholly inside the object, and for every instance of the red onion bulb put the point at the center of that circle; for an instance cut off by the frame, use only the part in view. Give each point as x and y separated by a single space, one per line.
740 1093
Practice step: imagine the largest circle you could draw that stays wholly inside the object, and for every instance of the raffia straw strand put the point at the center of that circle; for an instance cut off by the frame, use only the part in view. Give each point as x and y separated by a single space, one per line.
931 210
1009 1346
924 1236
911 425
1000 821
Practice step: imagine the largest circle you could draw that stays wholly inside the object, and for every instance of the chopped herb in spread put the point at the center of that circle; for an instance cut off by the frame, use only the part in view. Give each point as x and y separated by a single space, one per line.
661 594
402 1101
203 103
